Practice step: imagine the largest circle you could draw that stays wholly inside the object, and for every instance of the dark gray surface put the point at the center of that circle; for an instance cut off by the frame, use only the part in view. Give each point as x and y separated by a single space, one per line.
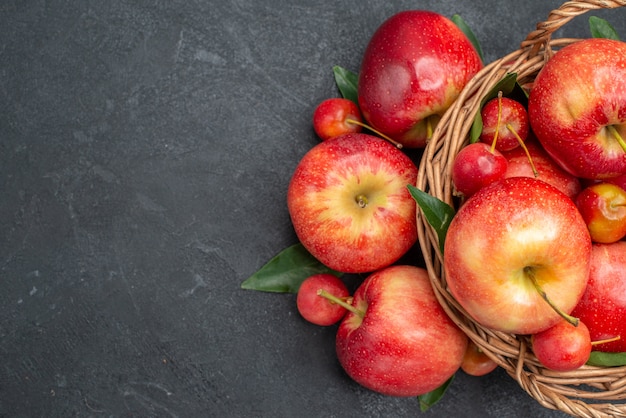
145 150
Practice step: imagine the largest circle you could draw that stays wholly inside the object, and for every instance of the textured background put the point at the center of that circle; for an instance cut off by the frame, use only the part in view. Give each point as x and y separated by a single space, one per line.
145 151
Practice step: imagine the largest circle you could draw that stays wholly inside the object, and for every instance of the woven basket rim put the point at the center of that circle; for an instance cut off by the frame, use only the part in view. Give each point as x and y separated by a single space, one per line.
589 391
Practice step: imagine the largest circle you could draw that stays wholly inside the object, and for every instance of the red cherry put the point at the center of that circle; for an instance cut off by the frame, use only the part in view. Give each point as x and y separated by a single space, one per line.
331 118
316 308
476 166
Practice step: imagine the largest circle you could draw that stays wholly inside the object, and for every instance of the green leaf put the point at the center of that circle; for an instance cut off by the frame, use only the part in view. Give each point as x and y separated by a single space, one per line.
347 82
286 271
507 86
429 399
437 212
599 358
461 24
600 28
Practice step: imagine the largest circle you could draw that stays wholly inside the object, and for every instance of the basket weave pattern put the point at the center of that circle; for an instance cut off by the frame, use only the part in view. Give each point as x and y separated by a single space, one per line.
589 391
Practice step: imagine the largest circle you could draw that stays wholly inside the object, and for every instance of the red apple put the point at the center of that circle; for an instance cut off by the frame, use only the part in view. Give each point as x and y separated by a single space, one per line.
330 118
603 207
476 362
399 340
316 308
603 305
349 203
413 68
475 166
562 347
511 246
618 181
577 108
506 117
519 165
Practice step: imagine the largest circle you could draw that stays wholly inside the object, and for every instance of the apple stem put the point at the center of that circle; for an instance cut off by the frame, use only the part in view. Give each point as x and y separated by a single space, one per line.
531 274
429 127
341 302
608 340
497 132
524 147
382 135
617 136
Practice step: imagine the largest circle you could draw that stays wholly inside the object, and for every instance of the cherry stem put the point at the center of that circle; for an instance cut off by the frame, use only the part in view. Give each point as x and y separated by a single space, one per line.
524 147
529 271
495 135
382 135
617 136
341 302
608 340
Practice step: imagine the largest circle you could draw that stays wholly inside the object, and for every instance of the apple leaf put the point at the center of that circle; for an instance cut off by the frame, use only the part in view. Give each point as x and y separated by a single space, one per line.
461 24
347 82
286 271
600 28
429 399
508 86
599 358
437 212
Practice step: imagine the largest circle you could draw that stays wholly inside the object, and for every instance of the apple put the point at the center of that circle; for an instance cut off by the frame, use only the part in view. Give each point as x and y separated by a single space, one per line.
516 256
603 305
538 161
562 347
475 166
506 121
577 108
413 68
349 203
603 207
332 118
314 306
618 181
398 340
476 362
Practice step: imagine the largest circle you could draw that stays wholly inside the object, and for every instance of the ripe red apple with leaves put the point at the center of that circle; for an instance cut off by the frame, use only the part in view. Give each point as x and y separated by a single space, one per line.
505 121
562 347
517 256
314 299
577 108
336 116
349 203
537 163
414 67
398 340
475 166
603 305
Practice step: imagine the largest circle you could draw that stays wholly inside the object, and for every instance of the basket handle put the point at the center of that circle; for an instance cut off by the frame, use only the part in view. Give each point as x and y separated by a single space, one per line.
540 37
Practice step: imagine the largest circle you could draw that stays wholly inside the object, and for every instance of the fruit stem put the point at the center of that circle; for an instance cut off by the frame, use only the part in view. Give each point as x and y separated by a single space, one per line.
524 147
495 135
530 273
382 135
608 340
617 136
341 302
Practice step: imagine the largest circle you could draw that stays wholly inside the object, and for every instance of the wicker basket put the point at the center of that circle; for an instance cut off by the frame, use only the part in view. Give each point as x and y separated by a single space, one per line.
588 391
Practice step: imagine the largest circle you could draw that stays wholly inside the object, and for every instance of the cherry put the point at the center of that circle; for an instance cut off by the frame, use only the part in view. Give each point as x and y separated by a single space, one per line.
336 116
317 296
476 166
505 122
476 362
562 347
603 207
